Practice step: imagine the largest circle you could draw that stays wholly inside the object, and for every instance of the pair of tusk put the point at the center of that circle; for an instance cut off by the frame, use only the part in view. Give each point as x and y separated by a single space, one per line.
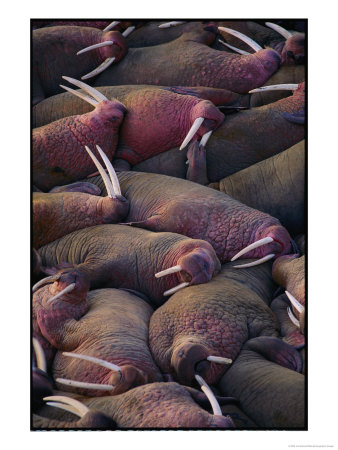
235 49
100 362
68 404
293 318
203 141
250 42
94 97
40 355
111 25
276 87
169 271
285 33
216 409
66 290
46 280
252 246
171 24
299 307
219 360
195 126
112 184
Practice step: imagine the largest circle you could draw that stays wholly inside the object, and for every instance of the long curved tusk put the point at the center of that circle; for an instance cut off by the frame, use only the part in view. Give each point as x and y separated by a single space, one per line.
40 355
235 49
105 178
175 289
216 409
46 280
111 25
171 24
113 177
80 384
293 318
256 263
299 307
252 246
251 43
275 87
92 47
195 126
88 89
205 138
84 97
103 66
66 290
128 31
80 407
100 362
285 33
165 272
219 360
65 407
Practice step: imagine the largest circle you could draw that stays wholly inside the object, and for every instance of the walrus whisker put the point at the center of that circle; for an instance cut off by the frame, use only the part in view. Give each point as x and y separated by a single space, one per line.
216 409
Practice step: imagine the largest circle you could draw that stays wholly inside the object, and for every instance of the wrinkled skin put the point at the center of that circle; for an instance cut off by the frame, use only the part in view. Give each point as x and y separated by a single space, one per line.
275 186
55 215
272 395
242 140
123 341
125 257
198 322
70 306
154 405
191 62
92 419
289 272
59 156
54 55
161 203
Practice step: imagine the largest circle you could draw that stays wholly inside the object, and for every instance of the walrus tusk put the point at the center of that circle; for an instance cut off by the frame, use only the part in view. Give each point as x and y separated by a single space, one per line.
88 89
195 126
205 138
293 318
113 177
103 66
80 384
211 397
105 178
165 272
175 289
252 246
79 94
128 31
171 24
75 404
219 360
257 262
299 307
275 87
100 362
46 280
92 47
65 407
66 290
285 33
235 49
40 355
111 25
251 43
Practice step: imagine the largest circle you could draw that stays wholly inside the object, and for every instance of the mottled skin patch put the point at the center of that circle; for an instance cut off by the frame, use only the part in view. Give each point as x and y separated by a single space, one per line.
216 320
59 156
190 62
154 405
55 48
126 257
55 215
